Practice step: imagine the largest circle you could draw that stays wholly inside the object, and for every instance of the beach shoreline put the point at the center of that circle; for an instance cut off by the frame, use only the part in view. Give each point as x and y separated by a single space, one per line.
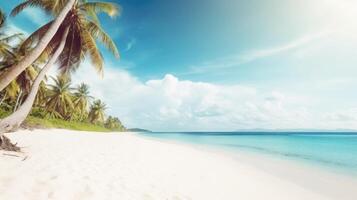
332 182
63 164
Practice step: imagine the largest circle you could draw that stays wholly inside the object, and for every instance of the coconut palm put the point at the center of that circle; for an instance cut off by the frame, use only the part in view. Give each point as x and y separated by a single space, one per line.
113 123
60 102
14 120
81 29
96 112
24 81
84 30
60 8
81 100
20 87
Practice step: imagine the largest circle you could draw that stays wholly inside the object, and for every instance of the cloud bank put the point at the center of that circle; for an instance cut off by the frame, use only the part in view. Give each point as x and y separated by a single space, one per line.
170 104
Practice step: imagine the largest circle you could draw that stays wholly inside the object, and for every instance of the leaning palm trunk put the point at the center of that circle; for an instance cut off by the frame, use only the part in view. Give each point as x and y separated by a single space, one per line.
13 121
16 69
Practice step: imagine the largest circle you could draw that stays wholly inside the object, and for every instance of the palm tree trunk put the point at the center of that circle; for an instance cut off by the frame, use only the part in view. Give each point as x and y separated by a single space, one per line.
16 69
17 100
13 121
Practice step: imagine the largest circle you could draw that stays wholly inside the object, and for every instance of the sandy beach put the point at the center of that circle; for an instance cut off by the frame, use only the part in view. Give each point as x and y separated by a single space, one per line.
62 164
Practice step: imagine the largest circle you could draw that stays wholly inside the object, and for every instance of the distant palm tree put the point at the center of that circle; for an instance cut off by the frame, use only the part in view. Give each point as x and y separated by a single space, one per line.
113 123
41 97
8 56
96 112
23 82
11 91
75 38
81 100
60 102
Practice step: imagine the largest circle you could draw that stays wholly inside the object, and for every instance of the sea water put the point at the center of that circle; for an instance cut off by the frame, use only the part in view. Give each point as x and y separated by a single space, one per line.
331 150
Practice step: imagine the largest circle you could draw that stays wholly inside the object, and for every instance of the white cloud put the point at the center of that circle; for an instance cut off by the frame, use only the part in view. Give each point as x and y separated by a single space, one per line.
173 104
130 44
252 55
300 42
330 26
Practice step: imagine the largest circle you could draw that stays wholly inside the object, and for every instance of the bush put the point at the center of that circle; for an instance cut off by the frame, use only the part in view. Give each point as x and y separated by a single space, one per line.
4 113
35 122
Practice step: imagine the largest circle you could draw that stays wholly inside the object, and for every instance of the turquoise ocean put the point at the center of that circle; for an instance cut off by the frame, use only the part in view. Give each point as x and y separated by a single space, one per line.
336 151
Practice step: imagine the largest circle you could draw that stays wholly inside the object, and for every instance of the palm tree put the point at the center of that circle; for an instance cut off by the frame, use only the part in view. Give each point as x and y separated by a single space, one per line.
14 120
81 100
24 81
96 112
85 29
41 97
109 123
8 56
60 8
60 98
79 32
113 123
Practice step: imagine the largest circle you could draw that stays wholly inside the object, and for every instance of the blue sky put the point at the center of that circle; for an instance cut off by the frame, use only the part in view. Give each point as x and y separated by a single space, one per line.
241 64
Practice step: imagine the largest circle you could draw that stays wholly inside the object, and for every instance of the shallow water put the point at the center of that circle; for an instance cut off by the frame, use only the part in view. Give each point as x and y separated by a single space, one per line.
331 150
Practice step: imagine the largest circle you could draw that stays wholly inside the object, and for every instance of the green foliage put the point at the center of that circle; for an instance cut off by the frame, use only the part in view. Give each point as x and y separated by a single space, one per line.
114 123
35 122
38 112
81 99
85 32
60 98
4 113
96 112
58 105
51 112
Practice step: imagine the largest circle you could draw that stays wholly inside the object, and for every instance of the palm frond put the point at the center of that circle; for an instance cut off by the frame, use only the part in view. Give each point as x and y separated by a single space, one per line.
46 5
92 15
98 33
109 8
70 58
93 52
12 37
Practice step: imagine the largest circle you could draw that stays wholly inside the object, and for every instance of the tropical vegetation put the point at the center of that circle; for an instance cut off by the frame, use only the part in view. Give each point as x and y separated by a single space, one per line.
71 37
64 105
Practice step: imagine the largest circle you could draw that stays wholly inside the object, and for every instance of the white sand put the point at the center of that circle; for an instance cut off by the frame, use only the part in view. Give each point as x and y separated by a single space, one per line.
68 165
